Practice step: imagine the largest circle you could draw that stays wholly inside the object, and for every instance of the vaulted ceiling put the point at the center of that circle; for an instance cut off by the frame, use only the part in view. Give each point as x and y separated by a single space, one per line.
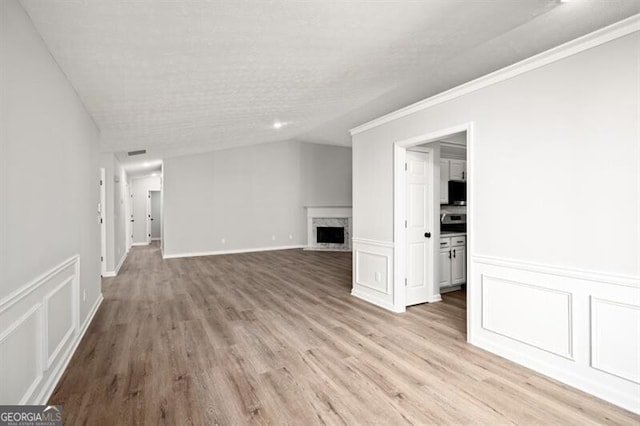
178 77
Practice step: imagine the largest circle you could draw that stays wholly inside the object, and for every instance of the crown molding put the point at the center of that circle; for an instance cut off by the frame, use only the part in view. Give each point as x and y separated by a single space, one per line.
614 31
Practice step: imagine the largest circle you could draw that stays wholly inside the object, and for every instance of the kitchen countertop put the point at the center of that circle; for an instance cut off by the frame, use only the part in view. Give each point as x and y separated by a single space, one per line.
447 234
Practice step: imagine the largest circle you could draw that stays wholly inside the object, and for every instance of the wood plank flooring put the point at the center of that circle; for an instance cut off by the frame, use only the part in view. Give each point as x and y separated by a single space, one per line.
276 338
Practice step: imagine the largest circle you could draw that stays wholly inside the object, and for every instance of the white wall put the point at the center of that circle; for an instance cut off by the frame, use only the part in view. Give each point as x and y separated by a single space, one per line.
249 195
554 215
140 188
49 231
326 174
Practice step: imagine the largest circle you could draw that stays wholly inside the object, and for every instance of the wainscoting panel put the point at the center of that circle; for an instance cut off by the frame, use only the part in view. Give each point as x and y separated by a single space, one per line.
373 272
39 330
580 328
512 309
20 355
615 337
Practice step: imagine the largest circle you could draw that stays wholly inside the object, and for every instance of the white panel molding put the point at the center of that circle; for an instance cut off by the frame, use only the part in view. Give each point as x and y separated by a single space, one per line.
559 271
384 289
8 301
382 295
596 358
48 355
486 311
35 299
235 251
56 372
610 374
388 244
38 343
588 41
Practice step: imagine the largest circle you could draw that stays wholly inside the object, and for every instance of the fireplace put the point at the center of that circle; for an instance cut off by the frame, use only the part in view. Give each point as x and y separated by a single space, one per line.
329 228
330 234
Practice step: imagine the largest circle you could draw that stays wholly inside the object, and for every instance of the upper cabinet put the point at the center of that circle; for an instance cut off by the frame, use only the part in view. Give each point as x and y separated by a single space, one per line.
457 170
444 180
450 170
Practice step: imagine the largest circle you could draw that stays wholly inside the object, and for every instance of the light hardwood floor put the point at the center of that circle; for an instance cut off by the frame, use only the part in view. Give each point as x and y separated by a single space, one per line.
275 338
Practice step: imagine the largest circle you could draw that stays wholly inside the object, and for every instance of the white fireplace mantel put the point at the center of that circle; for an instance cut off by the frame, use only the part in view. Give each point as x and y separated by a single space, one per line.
328 211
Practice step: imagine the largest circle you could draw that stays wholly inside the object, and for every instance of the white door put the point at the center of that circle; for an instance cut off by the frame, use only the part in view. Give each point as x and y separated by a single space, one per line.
156 213
128 215
458 265
103 221
419 210
445 268
458 170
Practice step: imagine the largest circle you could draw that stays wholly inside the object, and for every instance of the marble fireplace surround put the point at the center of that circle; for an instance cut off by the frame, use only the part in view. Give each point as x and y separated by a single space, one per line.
328 215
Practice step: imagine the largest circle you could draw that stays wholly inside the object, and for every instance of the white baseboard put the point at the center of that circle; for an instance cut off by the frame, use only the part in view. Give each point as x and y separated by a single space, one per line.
378 302
565 375
235 251
139 244
111 274
56 374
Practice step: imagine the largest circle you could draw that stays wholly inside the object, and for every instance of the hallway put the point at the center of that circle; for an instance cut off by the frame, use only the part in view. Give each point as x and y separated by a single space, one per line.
275 337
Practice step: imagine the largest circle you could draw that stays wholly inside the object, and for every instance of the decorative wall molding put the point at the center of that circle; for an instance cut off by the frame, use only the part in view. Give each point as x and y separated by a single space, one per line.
588 41
565 324
610 338
559 271
515 328
234 251
41 329
373 272
366 241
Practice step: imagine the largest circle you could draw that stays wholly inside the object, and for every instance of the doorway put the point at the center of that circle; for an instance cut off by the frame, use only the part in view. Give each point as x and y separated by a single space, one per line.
154 216
418 194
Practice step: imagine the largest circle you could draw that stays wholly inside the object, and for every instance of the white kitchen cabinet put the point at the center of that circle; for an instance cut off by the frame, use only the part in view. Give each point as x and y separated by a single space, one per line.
453 261
445 269
457 170
444 181
458 265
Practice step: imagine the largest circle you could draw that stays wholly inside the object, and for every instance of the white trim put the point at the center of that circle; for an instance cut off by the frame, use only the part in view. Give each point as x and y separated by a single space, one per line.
139 244
374 301
56 373
9 300
235 251
388 244
582 274
111 274
617 30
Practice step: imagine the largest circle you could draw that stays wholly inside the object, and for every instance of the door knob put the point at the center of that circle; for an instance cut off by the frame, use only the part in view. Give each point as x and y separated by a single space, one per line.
427 234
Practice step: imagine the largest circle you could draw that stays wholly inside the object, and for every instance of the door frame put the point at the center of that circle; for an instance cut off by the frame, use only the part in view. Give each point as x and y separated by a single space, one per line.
399 213
149 207
103 221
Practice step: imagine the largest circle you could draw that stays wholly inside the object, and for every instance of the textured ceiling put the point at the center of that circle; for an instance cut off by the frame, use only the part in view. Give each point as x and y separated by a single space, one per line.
177 77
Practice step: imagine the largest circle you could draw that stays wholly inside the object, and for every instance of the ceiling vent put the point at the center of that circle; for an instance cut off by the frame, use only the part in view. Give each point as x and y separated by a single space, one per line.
138 152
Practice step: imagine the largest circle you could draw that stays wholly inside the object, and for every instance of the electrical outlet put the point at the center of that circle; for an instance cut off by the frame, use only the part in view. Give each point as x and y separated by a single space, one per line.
223 241
84 295
291 236
273 237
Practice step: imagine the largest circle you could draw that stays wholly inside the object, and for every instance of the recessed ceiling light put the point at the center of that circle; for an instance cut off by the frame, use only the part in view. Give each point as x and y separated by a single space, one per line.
279 125
146 164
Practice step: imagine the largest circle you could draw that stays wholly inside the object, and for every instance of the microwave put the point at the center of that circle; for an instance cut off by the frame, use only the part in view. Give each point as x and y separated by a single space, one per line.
457 193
